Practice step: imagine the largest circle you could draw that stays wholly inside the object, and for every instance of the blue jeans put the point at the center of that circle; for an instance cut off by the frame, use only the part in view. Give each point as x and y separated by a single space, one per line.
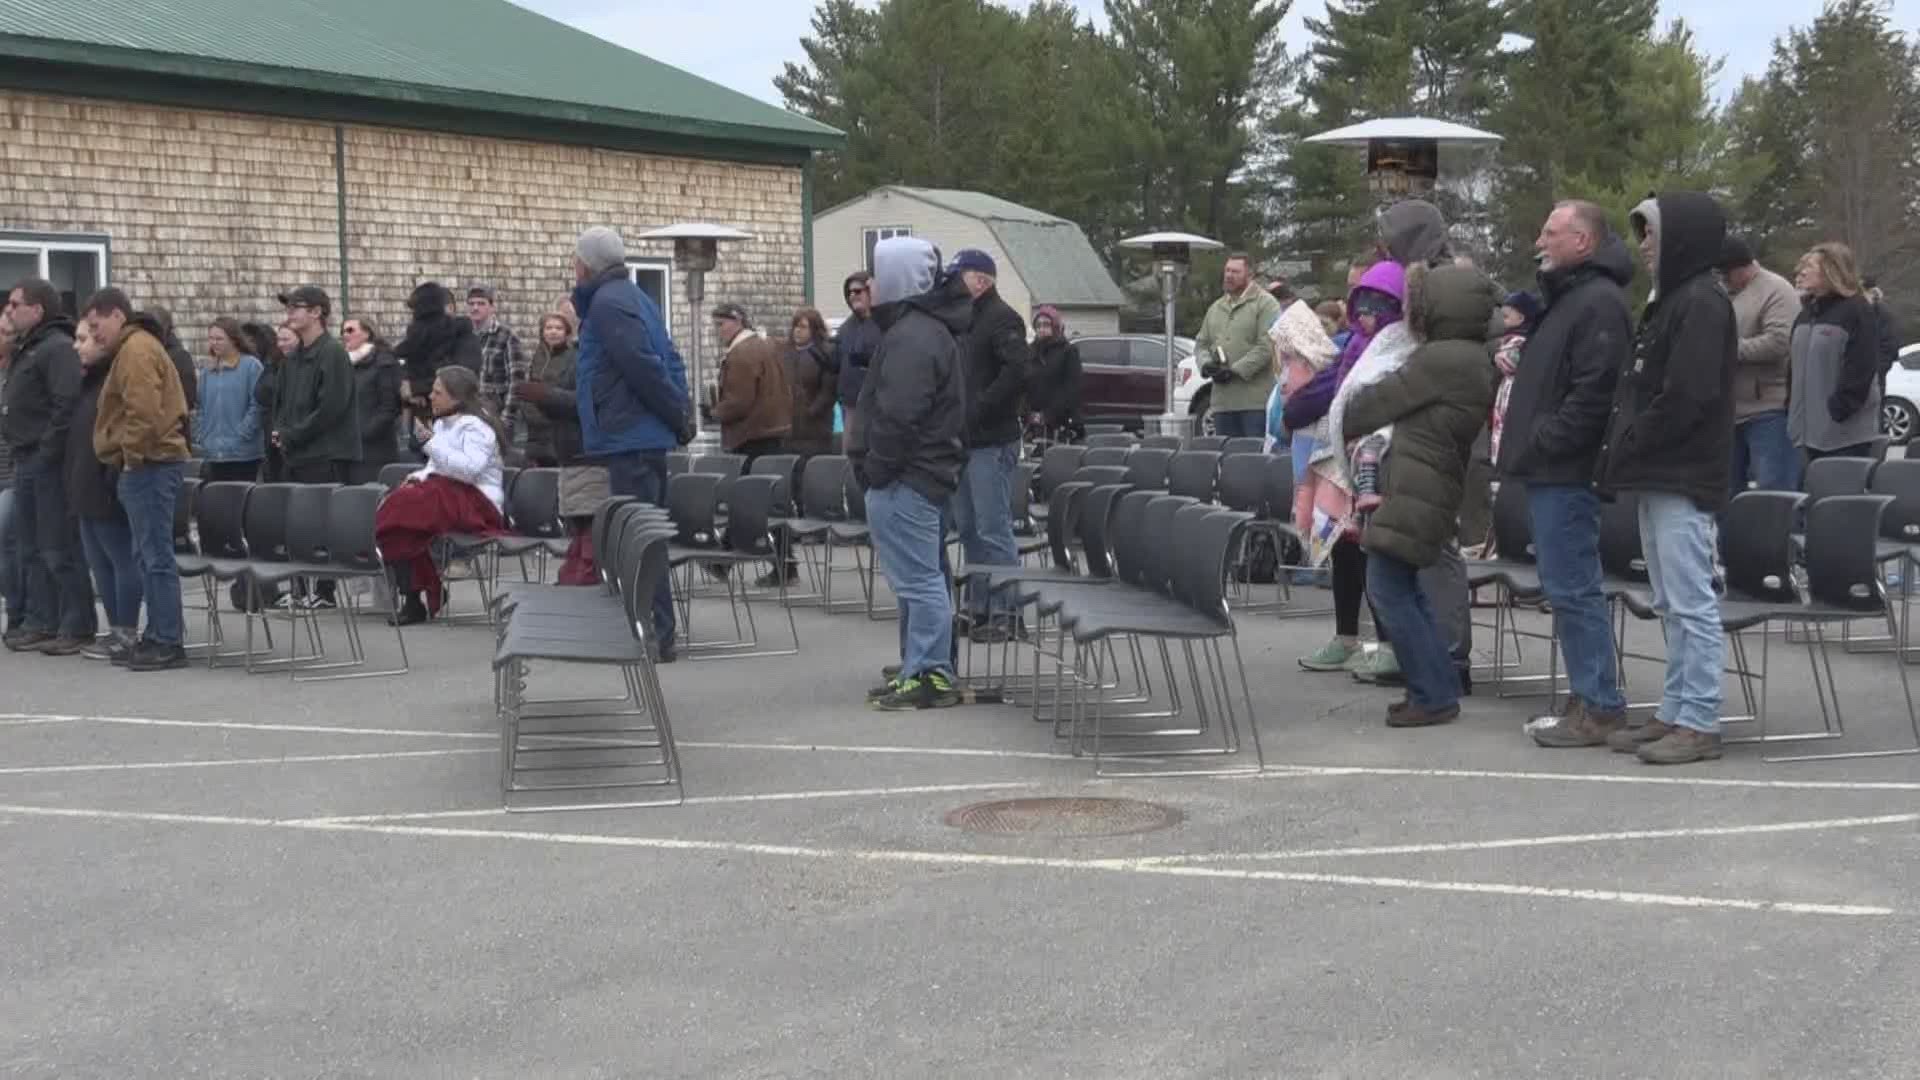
1678 538
116 573
149 493
983 516
1399 602
12 590
1566 540
1241 423
643 475
59 596
1764 453
907 542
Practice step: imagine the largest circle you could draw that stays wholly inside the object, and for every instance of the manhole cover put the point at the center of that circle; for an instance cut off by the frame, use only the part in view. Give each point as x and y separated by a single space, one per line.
1064 817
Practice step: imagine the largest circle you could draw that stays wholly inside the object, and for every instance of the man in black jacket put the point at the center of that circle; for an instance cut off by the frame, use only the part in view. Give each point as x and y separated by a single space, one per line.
43 381
1556 420
996 372
1670 440
316 412
908 442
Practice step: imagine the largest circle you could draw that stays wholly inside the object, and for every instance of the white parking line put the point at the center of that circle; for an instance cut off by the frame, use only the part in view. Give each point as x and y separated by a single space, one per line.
1646 777
213 763
242 725
704 800
1539 841
950 858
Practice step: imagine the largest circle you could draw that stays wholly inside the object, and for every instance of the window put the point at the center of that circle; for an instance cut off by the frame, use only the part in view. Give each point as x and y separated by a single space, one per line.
655 278
75 263
870 237
1102 352
1150 353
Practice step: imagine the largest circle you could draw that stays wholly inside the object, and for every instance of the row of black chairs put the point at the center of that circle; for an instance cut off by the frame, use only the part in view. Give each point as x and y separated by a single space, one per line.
1221 443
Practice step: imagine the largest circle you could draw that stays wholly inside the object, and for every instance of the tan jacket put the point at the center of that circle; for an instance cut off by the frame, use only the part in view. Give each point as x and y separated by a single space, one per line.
754 400
1764 311
143 408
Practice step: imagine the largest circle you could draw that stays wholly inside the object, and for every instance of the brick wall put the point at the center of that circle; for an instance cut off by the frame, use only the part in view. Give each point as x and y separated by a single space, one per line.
212 213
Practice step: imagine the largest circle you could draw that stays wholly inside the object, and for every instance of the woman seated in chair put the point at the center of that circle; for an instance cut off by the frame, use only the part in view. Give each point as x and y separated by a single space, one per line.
460 491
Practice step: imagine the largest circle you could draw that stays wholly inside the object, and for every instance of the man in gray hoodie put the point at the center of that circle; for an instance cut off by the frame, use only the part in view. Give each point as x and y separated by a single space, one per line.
908 445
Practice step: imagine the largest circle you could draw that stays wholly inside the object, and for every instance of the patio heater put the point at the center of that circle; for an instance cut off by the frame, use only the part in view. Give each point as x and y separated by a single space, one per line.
1172 253
1403 152
696 250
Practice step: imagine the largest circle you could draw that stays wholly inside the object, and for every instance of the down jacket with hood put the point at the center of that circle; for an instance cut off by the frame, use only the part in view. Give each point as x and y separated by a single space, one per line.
1437 405
1672 424
435 339
910 424
1563 389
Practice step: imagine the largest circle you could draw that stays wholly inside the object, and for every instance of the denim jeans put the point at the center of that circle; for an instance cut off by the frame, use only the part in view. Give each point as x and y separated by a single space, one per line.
1240 423
116 573
12 590
1678 538
148 493
1399 601
643 475
983 516
59 596
1764 453
1566 540
907 542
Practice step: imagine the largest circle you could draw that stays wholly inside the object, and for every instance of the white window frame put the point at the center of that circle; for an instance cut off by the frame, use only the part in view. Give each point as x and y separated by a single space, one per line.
664 268
873 234
43 245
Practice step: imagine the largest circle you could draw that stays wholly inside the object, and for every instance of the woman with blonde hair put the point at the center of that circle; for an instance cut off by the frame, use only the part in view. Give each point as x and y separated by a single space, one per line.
549 402
1833 406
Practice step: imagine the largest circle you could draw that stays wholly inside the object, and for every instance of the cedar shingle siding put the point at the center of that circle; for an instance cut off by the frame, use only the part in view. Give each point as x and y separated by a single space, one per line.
211 213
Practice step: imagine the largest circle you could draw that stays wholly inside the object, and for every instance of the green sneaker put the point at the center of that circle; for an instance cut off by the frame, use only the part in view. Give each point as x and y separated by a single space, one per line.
934 691
1380 666
1335 655
885 688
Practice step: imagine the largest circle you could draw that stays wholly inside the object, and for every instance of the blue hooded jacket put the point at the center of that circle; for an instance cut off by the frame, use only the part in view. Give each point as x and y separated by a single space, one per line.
632 384
226 427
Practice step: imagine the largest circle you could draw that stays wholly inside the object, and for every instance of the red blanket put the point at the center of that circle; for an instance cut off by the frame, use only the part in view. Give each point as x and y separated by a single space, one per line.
413 514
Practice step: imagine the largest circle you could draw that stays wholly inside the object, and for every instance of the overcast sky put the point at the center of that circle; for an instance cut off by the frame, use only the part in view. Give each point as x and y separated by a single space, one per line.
742 43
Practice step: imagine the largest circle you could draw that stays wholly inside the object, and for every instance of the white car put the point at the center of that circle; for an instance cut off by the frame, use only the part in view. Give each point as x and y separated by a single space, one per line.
1900 408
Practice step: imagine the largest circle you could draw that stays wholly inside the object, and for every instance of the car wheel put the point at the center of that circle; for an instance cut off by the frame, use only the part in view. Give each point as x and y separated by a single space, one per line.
1897 420
1201 410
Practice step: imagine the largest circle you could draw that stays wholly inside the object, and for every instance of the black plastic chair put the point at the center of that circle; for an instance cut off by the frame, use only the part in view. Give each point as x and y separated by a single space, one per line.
1242 483
533 515
1162 442
1215 443
1117 440
1057 466
1098 456
782 468
1192 472
807 530
747 541
679 461
392 476
1245 445
1147 467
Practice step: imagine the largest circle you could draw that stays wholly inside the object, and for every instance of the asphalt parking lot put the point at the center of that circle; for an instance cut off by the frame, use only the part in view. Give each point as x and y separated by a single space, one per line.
211 874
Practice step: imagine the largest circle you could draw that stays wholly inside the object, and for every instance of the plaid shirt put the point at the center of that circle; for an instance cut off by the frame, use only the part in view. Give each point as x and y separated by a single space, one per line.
502 363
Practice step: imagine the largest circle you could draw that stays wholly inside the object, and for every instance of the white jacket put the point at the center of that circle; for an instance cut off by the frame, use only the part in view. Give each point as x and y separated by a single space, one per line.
464 448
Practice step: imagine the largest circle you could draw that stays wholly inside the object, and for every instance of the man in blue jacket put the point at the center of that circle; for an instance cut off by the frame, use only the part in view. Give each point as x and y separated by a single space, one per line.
632 387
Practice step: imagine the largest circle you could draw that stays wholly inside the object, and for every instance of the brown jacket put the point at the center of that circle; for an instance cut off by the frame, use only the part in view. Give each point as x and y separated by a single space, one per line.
143 407
754 400
811 377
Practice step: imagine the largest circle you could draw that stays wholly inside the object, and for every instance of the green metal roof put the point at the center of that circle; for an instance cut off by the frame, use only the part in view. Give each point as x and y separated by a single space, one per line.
486 56
1051 254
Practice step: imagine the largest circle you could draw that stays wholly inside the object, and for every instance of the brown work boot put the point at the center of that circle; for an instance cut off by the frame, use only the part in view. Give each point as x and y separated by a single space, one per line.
1634 736
1406 714
1579 725
1682 746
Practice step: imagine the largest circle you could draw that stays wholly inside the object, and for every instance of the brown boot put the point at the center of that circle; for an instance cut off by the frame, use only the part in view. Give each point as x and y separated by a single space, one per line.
1408 715
1634 736
1579 726
1681 746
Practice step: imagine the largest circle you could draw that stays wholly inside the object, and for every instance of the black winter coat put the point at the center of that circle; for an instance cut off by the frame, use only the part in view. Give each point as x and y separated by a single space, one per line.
435 339
316 406
42 380
1563 389
910 424
1054 389
1672 423
91 487
376 387
996 363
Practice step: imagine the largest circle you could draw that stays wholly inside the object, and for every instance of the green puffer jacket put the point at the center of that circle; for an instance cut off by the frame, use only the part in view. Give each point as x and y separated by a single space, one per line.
1437 404
1238 326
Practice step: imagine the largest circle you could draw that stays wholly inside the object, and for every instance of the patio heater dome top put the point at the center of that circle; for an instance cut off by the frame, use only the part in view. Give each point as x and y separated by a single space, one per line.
696 230
1408 128
1149 241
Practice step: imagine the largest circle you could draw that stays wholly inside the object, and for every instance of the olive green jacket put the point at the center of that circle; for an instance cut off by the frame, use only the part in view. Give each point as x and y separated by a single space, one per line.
1238 326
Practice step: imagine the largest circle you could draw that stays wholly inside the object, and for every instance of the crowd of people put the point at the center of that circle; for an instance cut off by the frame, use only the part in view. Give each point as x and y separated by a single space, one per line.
1400 408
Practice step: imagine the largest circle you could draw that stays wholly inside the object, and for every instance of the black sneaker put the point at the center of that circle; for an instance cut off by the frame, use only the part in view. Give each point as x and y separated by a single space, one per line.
933 691
63 645
25 640
148 656
317 602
